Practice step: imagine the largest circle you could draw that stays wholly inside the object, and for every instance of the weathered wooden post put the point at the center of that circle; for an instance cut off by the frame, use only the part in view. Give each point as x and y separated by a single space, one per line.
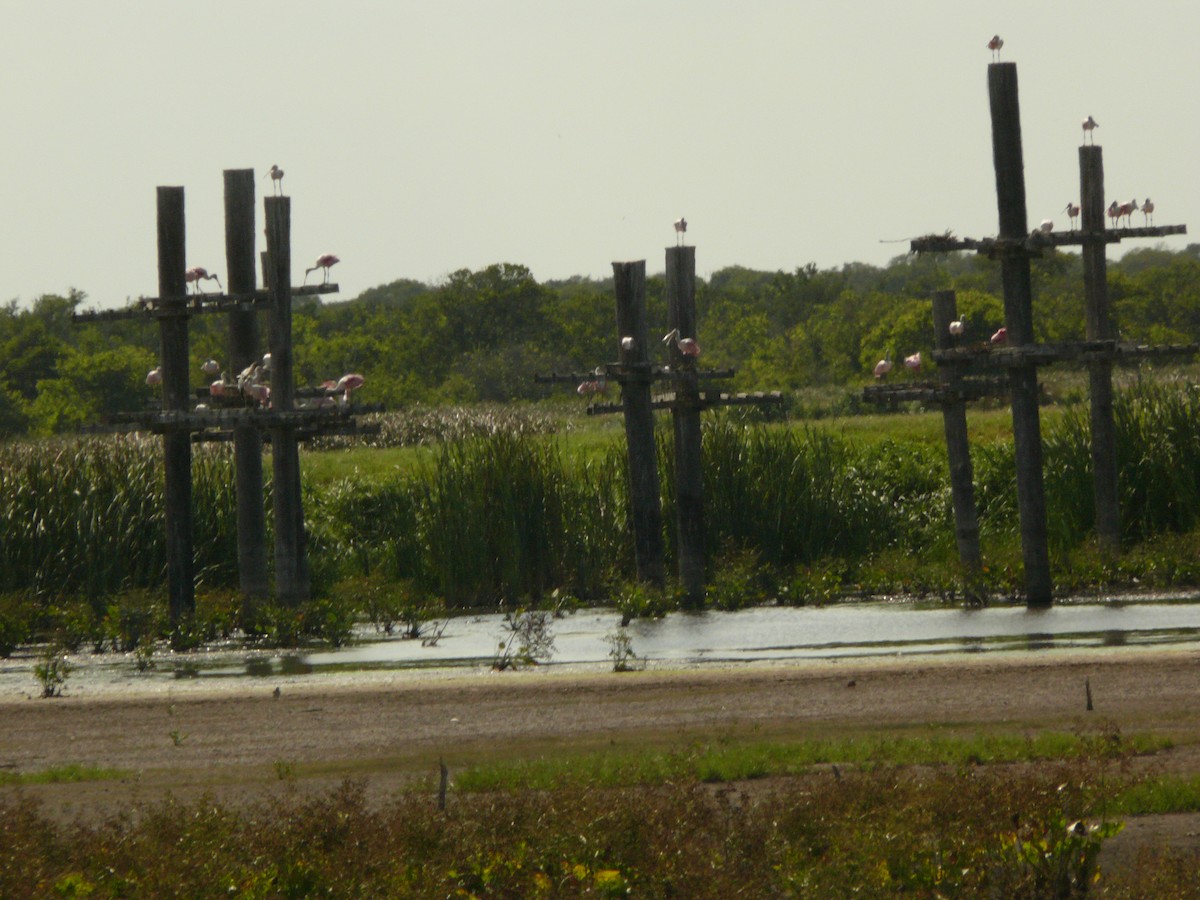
633 338
685 414
243 350
958 447
291 558
1018 319
1099 328
177 441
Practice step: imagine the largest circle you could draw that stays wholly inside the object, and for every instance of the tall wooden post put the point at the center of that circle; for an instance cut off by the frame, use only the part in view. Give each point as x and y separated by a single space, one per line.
244 350
958 447
177 443
1099 328
1018 319
685 414
633 339
291 557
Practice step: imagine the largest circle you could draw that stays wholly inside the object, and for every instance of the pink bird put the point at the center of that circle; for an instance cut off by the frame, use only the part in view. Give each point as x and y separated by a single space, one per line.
688 347
883 367
1114 212
1072 212
258 392
154 377
222 388
913 362
680 229
276 174
586 388
1148 211
994 45
1000 337
345 385
324 261
1127 210
1090 125
196 274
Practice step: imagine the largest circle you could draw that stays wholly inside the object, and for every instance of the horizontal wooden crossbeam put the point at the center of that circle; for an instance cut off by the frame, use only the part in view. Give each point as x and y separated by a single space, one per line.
986 357
1038 241
706 400
196 304
619 374
937 391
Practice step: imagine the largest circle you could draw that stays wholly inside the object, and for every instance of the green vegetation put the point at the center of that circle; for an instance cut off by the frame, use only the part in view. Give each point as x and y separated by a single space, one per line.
902 817
63 775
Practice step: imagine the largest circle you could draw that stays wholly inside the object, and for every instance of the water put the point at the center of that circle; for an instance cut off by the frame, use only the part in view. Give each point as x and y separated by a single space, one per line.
851 630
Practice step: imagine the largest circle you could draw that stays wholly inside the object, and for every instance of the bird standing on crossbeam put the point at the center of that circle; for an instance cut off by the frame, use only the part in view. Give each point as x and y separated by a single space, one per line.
324 261
196 274
1148 211
1072 212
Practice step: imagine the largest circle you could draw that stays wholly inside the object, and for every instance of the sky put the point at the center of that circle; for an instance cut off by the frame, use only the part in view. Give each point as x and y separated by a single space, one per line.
421 138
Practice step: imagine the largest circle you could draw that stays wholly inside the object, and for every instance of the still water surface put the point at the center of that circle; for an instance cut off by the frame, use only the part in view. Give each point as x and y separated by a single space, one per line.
848 630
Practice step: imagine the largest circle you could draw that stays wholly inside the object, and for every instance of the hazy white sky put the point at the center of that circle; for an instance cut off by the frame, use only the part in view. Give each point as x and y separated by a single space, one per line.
420 138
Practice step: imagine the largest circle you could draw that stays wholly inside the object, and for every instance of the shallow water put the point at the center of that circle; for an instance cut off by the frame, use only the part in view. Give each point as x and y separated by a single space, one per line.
848 630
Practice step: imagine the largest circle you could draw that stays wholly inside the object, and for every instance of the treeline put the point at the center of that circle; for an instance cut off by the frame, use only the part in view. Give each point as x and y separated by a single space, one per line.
480 336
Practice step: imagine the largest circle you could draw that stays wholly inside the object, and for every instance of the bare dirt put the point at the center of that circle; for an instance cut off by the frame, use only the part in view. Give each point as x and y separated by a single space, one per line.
241 744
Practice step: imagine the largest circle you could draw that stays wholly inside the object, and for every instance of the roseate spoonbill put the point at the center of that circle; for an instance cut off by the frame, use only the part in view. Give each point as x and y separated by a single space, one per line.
1001 336
1044 227
324 261
276 174
266 362
688 347
222 388
628 343
883 367
1114 211
587 388
680 229
1072 212
211 367
154 376
994 45
1127 210
1148 211
196 274
1090 125
957 327
258 392
345 385
913 362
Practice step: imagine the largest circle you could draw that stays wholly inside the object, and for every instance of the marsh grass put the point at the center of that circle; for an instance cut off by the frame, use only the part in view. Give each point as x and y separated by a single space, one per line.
69 774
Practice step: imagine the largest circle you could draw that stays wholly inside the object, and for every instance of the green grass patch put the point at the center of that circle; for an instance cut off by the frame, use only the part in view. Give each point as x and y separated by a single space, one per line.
725 759
69 774
1164 794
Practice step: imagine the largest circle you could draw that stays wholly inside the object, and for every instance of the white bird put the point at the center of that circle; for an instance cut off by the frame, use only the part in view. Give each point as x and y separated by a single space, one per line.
211 367
1089 124
913 362
196 274
154 376
680 229
994 45
266 362
276 174
1148 211
883 367
1072 212
1044 227
957 327
628 343
324 261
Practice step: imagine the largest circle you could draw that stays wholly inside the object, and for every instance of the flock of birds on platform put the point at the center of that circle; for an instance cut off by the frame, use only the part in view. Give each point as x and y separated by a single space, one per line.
253 386
1116 212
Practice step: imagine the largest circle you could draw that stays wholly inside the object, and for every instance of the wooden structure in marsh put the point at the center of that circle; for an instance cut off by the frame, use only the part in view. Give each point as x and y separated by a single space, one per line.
636 373
1019 358
182 420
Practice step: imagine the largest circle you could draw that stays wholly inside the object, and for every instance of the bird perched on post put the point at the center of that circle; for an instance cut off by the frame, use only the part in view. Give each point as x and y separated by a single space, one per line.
1001 336
685 345
913 362
276 174
994 45
211 367
1090 124
196 274
154 377
1114 211
1072 212
957 327
1126 212
680 229
883 367
1148 211
324 261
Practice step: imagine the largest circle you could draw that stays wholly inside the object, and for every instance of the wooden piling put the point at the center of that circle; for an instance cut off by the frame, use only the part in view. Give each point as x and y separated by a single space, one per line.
958 447
1099 328
1018 319
243 350
291 557
177 443
685 415
629 282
